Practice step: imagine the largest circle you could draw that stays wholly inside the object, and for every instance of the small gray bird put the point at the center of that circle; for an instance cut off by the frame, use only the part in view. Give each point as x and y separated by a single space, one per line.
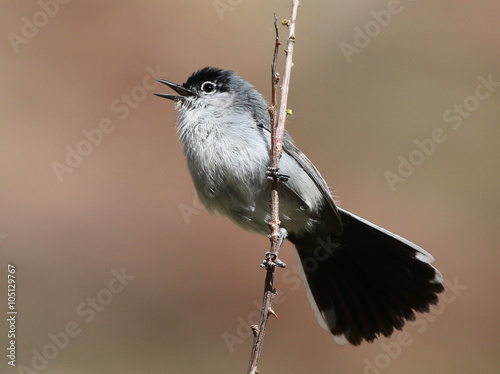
361 280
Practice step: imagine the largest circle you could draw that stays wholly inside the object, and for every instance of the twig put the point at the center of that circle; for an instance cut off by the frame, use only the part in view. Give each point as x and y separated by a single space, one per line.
277 131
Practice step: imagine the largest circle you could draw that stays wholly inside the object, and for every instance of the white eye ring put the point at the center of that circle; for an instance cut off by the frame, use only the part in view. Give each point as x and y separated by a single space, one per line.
208 87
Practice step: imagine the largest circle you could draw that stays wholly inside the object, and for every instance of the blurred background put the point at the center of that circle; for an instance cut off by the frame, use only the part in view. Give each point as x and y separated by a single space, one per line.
120 270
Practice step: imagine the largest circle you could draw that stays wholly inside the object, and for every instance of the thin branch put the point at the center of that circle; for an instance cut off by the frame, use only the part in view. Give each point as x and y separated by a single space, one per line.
286 83
277 131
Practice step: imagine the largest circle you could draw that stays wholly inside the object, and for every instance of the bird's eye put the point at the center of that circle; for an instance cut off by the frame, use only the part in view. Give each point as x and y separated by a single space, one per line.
208 87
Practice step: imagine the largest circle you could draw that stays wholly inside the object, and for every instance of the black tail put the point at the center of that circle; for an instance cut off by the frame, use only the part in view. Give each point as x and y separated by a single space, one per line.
367 281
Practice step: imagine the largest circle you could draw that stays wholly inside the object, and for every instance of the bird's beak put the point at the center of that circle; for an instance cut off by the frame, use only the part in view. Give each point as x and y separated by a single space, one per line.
183 92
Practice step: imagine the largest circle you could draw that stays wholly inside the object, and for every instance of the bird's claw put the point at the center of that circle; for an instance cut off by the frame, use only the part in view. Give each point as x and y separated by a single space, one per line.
273 174
272 260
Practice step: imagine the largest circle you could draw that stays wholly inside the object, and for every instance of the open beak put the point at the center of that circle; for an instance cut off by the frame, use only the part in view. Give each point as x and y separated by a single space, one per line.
183 92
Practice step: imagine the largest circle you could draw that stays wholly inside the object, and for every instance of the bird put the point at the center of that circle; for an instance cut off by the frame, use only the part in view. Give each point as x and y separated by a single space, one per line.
362 281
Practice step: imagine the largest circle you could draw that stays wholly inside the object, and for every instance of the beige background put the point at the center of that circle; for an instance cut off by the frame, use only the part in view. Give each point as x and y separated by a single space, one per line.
195 278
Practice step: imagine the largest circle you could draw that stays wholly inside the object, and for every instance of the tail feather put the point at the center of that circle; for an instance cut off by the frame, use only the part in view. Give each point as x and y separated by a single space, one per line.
366 282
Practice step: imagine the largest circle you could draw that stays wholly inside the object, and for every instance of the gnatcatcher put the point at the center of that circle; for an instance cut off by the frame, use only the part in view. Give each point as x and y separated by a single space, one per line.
361 280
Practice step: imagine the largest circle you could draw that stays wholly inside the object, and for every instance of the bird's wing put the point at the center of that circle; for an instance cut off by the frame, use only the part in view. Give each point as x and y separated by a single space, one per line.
314 174
301 159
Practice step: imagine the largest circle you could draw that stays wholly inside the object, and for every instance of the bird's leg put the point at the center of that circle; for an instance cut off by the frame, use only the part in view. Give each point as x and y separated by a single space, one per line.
273 174
271 259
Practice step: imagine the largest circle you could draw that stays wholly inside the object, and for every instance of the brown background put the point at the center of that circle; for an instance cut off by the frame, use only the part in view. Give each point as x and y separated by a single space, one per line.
120 206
